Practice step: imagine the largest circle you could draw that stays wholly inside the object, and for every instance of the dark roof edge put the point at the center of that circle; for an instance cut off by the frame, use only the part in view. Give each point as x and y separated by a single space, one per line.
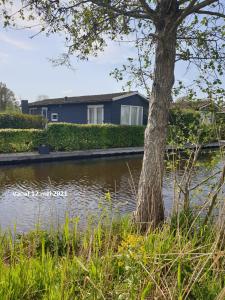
128 95
114 98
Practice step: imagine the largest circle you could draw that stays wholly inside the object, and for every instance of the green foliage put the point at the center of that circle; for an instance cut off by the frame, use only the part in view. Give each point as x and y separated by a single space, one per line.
112 261
64 136
186 127
20 140
7 99
71 137
21 121
187 120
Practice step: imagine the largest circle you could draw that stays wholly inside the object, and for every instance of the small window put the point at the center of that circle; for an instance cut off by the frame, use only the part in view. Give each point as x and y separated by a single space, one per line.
54 117
131 115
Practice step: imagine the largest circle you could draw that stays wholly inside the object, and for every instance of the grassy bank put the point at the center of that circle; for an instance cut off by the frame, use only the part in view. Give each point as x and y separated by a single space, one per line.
182 260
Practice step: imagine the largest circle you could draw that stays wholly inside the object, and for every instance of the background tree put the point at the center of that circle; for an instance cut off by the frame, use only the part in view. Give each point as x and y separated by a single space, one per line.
42 97
7 98
164 32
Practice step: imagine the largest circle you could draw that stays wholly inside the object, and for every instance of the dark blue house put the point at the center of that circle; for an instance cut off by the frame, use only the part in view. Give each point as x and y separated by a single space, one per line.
127 108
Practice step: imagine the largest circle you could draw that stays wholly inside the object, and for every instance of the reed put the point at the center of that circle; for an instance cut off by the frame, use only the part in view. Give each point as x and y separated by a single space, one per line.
182 260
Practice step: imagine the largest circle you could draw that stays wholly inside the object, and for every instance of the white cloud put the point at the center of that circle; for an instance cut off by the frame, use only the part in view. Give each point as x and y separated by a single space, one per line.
3 57
14 42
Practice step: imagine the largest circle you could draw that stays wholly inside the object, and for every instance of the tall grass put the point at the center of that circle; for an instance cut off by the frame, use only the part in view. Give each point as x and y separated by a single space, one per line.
182 260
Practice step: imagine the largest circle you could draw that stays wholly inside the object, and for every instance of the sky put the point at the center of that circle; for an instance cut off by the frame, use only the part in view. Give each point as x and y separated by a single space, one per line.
27 71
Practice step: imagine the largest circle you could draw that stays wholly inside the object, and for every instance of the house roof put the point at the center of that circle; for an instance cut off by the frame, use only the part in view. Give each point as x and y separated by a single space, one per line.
86 99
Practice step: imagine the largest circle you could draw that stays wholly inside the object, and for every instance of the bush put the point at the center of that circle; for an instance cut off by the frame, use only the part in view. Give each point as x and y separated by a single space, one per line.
186 119
21 121
68 137
20 140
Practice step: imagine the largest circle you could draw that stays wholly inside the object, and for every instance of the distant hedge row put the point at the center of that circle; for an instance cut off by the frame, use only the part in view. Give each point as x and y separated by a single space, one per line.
68 137
20 140
21 121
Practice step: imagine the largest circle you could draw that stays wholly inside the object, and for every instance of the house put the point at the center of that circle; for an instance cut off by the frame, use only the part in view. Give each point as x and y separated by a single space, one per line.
207 109
127 108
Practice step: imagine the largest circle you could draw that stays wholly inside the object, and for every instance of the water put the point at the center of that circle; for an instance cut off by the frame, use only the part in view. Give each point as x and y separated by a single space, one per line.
46 192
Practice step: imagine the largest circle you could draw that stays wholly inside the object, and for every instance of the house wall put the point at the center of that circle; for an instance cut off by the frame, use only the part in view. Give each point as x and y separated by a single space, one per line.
77 113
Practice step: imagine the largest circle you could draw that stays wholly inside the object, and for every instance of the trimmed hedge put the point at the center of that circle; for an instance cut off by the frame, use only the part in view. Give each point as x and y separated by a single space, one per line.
20 140
69 137
21 121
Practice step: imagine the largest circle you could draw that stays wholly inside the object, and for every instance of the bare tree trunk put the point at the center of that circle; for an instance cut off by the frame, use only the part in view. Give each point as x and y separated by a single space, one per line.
150 208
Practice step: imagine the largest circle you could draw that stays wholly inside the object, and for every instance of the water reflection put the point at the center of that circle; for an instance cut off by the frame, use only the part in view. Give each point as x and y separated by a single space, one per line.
45 192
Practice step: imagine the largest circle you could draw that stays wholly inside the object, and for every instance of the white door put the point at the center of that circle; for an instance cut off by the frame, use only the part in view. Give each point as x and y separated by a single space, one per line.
44 112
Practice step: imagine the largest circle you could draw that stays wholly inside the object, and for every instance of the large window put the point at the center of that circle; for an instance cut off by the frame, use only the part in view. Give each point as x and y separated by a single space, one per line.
131 115
95 114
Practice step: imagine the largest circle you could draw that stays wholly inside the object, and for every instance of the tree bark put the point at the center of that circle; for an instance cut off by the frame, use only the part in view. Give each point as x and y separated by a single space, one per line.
150 208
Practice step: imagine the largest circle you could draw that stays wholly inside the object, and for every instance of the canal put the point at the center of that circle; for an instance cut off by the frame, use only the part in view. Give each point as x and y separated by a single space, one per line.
43 193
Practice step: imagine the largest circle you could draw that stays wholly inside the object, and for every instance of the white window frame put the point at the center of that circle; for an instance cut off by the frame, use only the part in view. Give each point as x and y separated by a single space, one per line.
53 119
95 113
44 109
130 108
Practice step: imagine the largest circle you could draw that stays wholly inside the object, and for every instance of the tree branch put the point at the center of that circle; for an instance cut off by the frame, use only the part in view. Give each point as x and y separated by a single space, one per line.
132 13
202 4
148 9
193 7
211 13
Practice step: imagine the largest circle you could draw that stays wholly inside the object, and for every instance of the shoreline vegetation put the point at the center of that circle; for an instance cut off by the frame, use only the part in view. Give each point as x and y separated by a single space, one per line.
112 259
184 259
24 133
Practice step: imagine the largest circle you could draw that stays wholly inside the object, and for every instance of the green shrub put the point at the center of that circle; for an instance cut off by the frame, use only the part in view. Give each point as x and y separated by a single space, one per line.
21 121
68 137
20 140
186 119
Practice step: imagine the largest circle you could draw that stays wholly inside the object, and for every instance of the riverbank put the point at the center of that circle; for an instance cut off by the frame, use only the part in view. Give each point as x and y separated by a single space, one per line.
114 261
35 157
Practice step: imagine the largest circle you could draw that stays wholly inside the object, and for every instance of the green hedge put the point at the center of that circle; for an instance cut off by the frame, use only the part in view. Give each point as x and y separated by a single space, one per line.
20 140
21 121
68 137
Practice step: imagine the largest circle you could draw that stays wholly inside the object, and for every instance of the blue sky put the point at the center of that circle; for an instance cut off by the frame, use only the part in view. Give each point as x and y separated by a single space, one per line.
27 71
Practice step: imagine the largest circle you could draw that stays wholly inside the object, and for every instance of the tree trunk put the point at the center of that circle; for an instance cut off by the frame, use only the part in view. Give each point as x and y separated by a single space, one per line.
150 208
